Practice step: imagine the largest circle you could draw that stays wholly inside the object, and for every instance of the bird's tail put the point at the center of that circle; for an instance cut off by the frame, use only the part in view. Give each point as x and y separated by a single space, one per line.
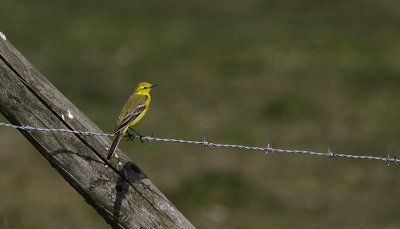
114 144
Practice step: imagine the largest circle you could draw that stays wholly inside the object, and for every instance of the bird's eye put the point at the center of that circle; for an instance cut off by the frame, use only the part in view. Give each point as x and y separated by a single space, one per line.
145 88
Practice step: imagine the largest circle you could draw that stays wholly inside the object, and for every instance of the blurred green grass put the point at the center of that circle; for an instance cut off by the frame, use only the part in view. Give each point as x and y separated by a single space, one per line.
301 74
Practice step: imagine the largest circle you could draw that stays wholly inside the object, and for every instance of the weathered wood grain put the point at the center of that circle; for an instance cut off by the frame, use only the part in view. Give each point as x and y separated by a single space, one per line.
120 191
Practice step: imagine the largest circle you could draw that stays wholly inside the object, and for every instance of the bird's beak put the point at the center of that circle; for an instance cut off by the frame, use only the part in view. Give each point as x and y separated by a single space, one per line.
154 85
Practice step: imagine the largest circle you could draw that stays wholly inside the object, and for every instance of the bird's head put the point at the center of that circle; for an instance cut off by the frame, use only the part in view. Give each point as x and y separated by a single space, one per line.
144 88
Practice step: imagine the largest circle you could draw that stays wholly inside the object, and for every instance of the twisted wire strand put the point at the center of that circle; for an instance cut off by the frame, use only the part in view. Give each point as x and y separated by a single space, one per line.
206 143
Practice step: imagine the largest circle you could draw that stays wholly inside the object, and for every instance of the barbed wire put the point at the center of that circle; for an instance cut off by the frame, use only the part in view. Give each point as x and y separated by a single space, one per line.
85 133
206 143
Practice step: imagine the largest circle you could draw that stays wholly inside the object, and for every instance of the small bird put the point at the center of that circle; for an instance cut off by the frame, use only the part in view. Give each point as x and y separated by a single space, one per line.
134 110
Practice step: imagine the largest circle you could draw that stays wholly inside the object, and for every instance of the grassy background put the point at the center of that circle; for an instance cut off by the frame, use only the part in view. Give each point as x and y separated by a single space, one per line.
301 74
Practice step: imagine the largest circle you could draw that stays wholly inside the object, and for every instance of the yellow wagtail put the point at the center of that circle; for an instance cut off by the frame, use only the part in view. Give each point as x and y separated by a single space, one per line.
134 110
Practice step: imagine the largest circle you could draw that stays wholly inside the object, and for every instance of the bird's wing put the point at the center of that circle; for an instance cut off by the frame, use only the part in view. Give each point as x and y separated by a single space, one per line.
139 104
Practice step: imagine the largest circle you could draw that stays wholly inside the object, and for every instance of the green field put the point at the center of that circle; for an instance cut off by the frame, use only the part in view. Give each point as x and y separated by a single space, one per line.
307 75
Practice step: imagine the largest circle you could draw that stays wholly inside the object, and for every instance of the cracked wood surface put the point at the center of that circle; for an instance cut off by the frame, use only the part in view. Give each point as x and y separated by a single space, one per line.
117 189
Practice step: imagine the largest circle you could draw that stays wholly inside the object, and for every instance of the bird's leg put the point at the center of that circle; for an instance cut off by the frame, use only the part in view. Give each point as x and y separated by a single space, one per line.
140 136
130 136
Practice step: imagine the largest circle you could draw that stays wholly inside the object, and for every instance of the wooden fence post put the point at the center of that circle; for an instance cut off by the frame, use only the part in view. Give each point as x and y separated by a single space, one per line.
117 189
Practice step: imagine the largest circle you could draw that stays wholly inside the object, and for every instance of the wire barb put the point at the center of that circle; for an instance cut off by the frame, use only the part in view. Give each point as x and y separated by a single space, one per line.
331 155
152 134
207 143
393 160
270 149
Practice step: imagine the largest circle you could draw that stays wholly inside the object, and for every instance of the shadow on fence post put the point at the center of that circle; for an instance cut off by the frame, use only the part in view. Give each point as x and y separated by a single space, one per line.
123 194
